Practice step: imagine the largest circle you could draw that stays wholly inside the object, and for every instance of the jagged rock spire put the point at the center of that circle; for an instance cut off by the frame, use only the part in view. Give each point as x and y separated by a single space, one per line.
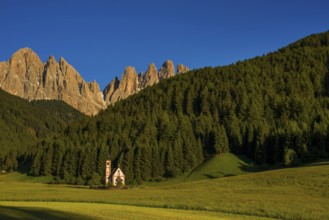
26 76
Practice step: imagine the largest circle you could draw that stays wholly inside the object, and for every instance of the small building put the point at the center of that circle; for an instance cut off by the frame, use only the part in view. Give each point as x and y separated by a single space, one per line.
116 177
107 172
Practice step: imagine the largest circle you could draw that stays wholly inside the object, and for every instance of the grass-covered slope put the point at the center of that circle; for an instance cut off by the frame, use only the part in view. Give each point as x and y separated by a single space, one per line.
223 165
23 123
292 193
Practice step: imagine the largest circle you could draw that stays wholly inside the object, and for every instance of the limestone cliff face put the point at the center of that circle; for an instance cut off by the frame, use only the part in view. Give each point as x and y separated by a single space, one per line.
26 76
167 70
109 90
23 74
132 83
128 85
51 79
182 69
4 67
151 77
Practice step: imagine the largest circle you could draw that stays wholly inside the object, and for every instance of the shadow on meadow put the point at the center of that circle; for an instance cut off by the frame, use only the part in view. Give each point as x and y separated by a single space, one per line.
20 213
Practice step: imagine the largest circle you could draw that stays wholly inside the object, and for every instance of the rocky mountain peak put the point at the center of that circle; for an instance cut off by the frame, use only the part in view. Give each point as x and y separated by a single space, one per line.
62 61
4 68
132 83
182 69
24 54
26 76
167 70
68 70
129 71
25 61
128 85
109 90
51 59
151 76
94 87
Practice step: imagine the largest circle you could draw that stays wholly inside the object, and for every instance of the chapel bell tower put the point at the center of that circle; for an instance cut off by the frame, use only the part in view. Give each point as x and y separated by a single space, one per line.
107 170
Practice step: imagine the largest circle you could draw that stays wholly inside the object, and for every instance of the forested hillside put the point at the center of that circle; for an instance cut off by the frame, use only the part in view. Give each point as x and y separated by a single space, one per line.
23 124
273 108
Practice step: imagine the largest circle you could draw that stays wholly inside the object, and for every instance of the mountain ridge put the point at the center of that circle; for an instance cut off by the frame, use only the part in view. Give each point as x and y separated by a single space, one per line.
26 76
271 108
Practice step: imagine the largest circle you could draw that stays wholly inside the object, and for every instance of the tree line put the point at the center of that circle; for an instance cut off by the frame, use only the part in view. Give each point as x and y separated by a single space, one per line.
23 124
273 108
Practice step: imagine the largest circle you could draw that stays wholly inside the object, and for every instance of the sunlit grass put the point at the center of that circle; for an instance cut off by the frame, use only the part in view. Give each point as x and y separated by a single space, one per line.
295 193
223 165
64 210
23 177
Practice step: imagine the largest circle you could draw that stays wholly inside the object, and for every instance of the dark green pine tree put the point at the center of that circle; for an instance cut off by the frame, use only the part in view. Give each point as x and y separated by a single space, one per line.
169 163
36 164
145 166
46 162
102 153
57 159
221 140
126 161
157 168
137 166
89 163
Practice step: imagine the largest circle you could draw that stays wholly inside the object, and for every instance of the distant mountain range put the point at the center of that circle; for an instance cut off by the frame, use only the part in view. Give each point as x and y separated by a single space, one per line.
274 109
26 76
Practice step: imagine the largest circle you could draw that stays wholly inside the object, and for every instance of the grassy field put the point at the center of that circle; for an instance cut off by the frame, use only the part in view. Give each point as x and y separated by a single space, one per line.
23 178
65 210
295 193
224 165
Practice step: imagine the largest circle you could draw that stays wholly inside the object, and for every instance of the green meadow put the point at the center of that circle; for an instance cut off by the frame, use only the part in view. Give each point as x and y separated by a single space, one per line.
292 193
69 210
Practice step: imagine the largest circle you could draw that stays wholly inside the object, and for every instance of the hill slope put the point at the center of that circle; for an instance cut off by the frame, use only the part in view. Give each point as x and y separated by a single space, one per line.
273 109
223 165
23 124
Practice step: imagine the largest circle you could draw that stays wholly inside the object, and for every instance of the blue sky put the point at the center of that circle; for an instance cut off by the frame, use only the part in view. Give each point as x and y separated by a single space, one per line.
101 37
